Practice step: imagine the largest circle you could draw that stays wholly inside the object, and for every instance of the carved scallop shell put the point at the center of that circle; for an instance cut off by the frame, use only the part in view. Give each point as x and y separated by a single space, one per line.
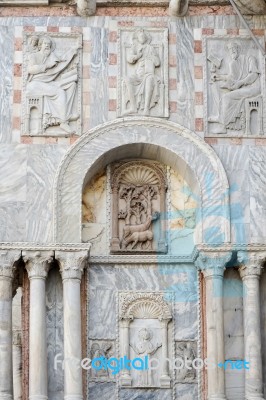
139 175
146 310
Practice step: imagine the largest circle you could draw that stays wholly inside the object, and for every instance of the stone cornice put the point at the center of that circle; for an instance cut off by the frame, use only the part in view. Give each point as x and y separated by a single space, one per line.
44 246
38 263
72 263
7 260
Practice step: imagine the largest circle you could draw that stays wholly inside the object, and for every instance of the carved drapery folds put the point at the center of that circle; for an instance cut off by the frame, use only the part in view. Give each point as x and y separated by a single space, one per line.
234 87
143 332
51 79
138 207
143 87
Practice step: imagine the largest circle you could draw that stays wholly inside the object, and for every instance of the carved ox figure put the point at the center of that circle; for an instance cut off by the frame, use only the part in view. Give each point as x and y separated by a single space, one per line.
138 233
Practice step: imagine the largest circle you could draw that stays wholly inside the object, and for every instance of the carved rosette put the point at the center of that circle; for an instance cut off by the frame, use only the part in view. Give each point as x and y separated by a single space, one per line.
38 263
144 305
7 260
251 263
138 190
213 264
72 263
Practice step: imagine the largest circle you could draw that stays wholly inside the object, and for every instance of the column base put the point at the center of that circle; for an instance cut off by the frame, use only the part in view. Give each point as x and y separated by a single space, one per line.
73 397
258 396
4 396
37 397
217 397
165 381
126 381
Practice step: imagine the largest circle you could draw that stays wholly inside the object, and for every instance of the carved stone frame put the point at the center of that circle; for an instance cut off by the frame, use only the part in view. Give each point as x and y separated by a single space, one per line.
128 306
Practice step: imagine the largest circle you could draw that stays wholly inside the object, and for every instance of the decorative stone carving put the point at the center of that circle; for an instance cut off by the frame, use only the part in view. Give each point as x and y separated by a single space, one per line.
143 87
144 331
178 8
72 263
38 263
186 351
138 200
213 264
101 348
52 91
7 260
234 87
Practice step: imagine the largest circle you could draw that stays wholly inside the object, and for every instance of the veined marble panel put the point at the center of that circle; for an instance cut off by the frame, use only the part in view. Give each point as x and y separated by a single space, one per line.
147 394
99 77
103 391
185 391
102 314
6 76
42 164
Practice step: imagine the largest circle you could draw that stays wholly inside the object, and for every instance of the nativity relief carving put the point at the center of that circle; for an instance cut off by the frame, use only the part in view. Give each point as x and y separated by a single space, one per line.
234 87
144 332
138 190
52 91
143 88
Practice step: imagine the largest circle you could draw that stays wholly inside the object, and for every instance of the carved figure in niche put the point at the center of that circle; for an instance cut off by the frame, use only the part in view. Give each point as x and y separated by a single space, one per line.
33 44
187 352
142 88
240 83
47 77
144 347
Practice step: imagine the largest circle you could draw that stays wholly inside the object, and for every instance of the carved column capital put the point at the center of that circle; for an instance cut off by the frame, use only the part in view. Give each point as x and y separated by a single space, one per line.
251 263
7 260
72 263
212 264
38 263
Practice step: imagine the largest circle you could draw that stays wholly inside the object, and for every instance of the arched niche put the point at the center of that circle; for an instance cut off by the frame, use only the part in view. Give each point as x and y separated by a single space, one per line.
148 138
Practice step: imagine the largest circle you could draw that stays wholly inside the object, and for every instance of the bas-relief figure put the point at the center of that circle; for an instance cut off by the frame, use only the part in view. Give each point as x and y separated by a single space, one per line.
143 69
187 351
144 330
51 85
234 89
138 200
101 348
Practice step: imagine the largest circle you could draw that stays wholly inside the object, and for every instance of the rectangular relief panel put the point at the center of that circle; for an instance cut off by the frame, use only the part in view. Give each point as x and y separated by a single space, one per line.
52 84
143 72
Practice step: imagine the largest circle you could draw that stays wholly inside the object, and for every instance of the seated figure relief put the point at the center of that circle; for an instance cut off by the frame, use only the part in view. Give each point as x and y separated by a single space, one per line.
143 56
235 93
51 87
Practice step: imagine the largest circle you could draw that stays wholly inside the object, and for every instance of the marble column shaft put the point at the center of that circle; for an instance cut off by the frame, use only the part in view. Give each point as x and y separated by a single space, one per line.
37 265
212 265
71 267
250 271
7 259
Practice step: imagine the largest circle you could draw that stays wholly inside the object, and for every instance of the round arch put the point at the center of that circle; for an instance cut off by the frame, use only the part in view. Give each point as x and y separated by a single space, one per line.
141 137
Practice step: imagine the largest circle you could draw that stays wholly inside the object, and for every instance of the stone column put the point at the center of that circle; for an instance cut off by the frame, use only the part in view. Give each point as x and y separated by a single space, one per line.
125 378
250 271
71 267
165 380
37 265
212 265
17 365
7 259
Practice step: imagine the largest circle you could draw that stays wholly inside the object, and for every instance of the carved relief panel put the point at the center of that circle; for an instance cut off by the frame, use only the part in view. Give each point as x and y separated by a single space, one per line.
97 349
138 190
234 90
144 331
187 352
52 84
143 77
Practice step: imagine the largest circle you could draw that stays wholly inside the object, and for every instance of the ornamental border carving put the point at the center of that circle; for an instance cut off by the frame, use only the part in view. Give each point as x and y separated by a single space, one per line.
205 39
215 165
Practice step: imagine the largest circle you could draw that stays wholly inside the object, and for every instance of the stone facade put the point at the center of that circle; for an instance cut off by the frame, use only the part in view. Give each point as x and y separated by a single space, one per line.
132 153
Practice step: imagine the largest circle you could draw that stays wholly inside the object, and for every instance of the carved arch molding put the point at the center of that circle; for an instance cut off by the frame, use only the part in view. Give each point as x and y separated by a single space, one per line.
154 139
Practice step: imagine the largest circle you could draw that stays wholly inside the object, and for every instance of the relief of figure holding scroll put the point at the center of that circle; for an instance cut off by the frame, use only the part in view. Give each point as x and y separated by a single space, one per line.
242 82
47 77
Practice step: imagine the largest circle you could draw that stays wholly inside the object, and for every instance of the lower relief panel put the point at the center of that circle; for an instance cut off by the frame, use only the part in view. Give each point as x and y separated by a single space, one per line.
137 313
